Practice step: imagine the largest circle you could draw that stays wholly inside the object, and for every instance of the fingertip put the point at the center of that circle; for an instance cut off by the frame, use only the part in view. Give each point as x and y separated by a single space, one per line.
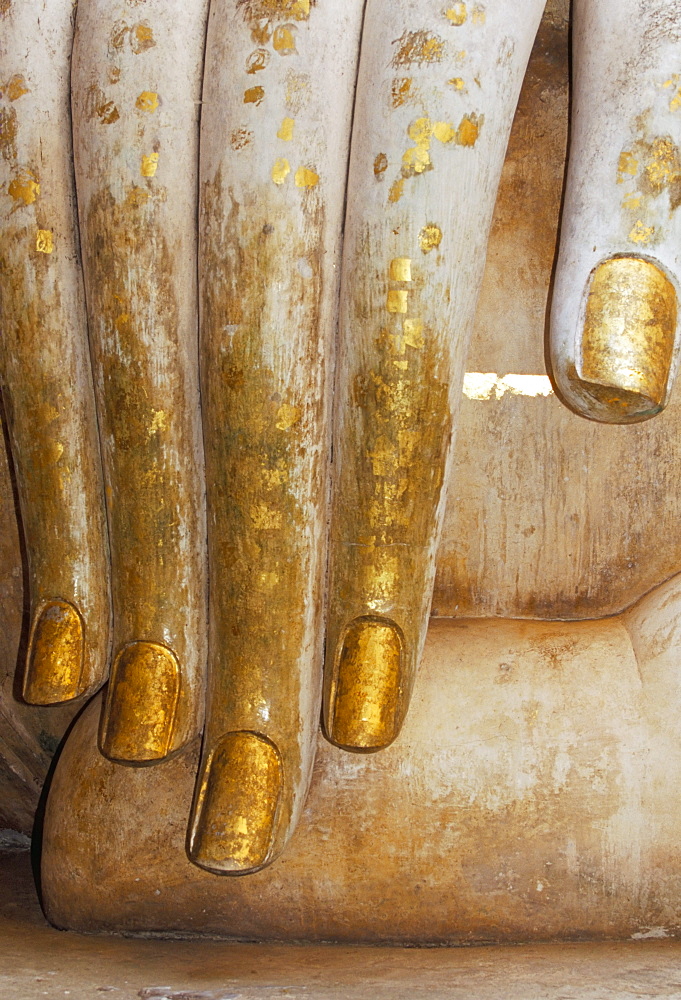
367 678
138 725
235 816
625 348
56 654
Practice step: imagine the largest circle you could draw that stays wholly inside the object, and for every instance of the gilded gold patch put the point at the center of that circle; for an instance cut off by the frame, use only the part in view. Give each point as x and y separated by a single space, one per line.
107 113
430 237
400 269
287 416
147 101
627 164
149 165
413 333
16 87
24 187
254 95
283 40
469 130
641 233
457 14
236 813
401 91
280 171
306 178
417 48
380 165
257 61
286 130
142 38
44 241
444 131
397 300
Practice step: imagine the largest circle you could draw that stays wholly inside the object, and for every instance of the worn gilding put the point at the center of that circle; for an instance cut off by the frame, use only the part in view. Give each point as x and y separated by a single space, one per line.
141 704
264 467
628 336
390 470
366 686
55 655
237 804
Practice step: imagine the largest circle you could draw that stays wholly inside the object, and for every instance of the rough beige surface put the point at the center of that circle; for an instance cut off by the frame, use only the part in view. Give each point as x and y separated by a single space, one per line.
37 961
531 795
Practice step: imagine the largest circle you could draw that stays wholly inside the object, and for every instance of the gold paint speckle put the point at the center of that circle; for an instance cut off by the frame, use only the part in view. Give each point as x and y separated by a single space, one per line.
286 130
254 95
401 91
287 416
142 38
147 101
641 233
457 14
306 178
24 187
430 237
149 165
137 196
457 83
44 241
16 87
631 201
628 164
107 113
396 190
280 171
418 47
240 137
380 165
257 61
469 130
283 39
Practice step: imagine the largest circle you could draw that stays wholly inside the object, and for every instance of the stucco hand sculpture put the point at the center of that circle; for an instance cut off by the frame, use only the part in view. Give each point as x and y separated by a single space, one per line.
436 93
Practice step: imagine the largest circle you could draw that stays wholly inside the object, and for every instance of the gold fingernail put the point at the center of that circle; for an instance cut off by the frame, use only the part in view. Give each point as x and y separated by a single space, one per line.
141 703
237 804
367 686
628 336
55 655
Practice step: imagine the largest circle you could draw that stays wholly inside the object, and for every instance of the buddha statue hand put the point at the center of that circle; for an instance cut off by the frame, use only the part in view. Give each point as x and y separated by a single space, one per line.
102 363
